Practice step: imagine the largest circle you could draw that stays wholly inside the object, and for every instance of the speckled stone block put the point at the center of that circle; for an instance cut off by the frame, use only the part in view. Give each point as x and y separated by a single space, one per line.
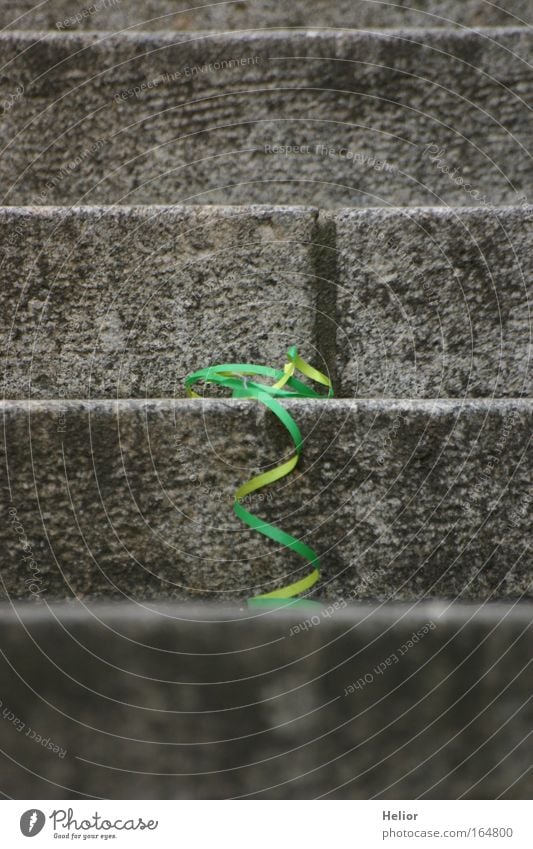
122 302
434 303
181 702
107 302
401 499
239 14
328 118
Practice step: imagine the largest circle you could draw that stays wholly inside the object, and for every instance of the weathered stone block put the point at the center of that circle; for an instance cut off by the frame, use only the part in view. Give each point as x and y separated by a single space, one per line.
166 702
125 302
434 303
168 14
328 119
402 499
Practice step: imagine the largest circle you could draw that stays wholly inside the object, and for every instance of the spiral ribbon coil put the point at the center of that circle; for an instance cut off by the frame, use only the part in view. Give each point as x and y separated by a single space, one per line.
239 377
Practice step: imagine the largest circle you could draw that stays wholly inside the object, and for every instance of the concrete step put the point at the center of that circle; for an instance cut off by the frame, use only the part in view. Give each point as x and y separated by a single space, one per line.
330 118
391 702
434 303
402 499
123 302
241 14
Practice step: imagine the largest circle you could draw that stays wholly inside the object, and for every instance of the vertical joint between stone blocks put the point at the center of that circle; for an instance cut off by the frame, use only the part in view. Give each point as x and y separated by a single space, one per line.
324 256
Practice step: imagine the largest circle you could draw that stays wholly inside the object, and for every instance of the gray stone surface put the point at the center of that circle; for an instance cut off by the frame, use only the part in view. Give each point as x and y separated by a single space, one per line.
125 302
239 14
130 500
169 118
402 499
107 302
189 703
434 303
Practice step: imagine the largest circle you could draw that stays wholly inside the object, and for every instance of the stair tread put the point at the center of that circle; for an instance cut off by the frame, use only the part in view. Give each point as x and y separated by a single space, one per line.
402 499
198 118
165 701
144 295
162 13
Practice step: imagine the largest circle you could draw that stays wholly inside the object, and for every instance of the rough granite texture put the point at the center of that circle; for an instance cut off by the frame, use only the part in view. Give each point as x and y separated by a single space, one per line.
434 303
125 302
239 14
131 500
401 499
364 118
182 703
106 302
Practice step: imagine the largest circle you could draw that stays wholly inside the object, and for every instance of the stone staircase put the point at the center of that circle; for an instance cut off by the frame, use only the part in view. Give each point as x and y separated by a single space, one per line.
186 186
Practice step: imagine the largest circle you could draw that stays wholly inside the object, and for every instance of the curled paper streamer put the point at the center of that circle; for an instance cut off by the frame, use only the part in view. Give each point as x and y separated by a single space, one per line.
239 377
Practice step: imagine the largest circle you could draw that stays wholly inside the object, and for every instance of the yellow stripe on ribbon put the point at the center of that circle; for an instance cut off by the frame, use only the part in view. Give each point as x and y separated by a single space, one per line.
238 378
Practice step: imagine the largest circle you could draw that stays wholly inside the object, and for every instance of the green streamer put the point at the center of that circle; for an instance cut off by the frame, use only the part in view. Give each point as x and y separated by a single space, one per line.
238 378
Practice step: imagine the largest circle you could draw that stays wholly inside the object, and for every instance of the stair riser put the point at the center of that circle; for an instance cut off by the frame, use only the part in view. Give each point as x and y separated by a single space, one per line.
167 15
124 303
370 119
178 703
434 304
401 499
